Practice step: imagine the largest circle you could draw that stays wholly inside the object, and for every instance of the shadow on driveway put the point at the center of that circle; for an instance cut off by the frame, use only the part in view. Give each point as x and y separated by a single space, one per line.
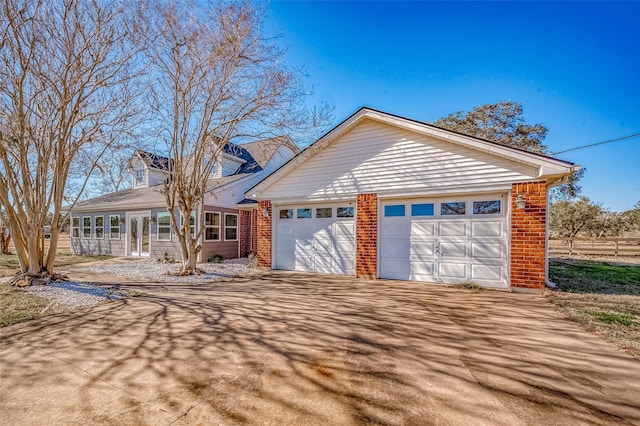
291 348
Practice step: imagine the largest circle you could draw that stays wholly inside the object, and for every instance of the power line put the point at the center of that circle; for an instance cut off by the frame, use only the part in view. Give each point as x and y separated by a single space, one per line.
599 143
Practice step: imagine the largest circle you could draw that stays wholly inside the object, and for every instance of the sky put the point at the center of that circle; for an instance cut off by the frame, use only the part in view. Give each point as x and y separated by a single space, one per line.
574 67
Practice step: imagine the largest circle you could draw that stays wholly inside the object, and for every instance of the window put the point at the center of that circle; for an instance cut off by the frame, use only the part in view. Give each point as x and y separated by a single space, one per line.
323 212
303 214
114 227
344 212
99 227
453 209
231 227
211 226
139 176
422 209
86 226
286 213
486 207
164 226
192 223
75 227
395 210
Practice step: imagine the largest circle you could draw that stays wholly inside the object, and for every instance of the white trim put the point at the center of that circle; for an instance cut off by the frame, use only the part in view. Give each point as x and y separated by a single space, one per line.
204 233
119 227
237 227
95 227
158 226
127 245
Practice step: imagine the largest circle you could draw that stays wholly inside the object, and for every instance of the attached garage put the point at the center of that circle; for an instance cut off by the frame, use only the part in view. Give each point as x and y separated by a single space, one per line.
315 238
423 203
455 240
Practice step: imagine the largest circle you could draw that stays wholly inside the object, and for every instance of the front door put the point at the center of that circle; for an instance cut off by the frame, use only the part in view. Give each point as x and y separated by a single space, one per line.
139 234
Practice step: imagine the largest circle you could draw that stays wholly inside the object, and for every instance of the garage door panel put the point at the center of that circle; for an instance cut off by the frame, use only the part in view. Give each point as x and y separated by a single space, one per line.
396 227
395 269
456 228
285 260
480 250
453 249
487 229
422 230
486 272
425 267
395 248
344 230
448 270
425 249
345 248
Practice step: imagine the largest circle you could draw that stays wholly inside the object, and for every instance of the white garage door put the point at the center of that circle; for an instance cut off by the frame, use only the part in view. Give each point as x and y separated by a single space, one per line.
449 240
315 238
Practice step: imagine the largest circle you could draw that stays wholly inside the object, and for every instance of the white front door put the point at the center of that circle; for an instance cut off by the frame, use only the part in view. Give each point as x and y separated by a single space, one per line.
315 238
456 240
138 231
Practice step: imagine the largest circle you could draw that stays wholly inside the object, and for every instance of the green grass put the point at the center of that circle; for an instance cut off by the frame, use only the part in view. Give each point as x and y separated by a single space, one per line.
595 277
604 298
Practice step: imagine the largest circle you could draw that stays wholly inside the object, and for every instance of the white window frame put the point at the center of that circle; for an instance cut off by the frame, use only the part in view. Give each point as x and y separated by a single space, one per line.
111 227
213 226
84 227
231 227
195 222
96 227
139 177
75 228
158 214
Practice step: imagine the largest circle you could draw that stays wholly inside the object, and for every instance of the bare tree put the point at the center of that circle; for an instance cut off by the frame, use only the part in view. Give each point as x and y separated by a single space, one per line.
217 80
5 236
66 91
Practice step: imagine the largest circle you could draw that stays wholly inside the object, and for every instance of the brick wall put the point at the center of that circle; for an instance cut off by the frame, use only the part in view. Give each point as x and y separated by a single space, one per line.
244 231
264 235
366 235
528 236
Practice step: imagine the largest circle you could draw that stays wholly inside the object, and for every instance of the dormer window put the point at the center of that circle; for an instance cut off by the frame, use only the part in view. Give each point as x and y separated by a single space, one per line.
139 176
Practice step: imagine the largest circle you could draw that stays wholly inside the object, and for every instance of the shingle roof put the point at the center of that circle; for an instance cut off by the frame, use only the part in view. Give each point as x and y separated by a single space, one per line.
153 160
262 151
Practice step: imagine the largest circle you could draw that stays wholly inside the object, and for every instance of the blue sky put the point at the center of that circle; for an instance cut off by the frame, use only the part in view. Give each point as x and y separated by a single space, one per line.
574 66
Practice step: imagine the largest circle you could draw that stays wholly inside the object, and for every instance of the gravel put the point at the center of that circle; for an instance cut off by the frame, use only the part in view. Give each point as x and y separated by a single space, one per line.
66 296
155 271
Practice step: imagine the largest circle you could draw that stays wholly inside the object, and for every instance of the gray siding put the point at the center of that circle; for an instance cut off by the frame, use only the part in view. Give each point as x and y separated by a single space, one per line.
93 245
227 249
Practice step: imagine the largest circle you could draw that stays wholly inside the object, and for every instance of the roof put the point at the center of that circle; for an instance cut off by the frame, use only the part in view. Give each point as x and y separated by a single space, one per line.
154 161
548 166
262 151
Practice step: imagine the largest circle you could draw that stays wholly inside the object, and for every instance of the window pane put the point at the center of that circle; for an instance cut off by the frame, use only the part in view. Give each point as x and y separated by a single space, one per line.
344 212
486 207
99 221
421 209
303 213
76 222
395 210
76 232
87 221
212 219
448 209
230 233
323 212
231 220
164 219
164 234
115 233
286 214
99 232
212 233
115 220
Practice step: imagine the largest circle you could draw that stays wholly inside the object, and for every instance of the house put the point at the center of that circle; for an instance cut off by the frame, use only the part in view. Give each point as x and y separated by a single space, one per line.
135 221
383 196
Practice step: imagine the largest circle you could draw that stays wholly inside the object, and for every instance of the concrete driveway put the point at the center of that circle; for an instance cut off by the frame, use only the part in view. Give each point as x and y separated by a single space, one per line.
287 348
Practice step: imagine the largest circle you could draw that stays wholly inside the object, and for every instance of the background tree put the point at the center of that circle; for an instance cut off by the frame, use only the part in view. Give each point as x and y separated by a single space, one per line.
217 80
569 218
504 122
67 70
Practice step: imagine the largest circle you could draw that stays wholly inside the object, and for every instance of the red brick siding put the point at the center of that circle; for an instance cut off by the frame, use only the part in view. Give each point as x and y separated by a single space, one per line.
254 231
366 235
244 237
264 235
528 236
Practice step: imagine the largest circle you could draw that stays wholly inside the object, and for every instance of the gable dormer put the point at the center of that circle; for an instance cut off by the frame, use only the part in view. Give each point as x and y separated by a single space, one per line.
148 169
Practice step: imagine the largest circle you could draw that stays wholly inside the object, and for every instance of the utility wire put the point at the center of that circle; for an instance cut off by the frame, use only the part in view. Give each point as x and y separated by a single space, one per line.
598 143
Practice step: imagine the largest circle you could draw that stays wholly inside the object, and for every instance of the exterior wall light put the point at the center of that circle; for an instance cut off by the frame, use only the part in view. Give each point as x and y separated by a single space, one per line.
521 202
265 212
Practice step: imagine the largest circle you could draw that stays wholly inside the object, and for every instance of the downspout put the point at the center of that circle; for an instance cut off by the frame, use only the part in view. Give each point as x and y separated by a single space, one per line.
558 182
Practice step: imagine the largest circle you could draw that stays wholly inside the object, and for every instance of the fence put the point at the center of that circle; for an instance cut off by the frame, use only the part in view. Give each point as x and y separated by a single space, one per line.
595 246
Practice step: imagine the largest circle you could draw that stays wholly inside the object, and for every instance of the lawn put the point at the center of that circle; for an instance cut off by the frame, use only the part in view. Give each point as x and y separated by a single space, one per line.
603 297
17 305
